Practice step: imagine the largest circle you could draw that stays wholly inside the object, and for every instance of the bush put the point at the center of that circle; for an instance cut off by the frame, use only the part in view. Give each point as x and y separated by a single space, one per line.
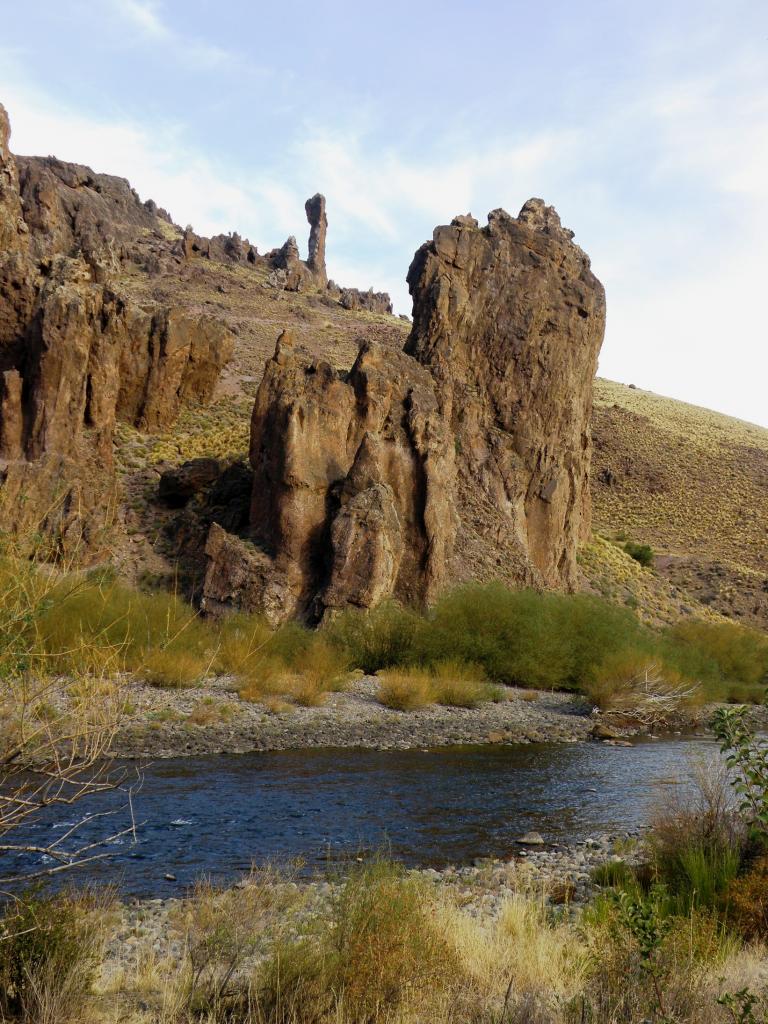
722 654
747 900
697 841
172 668
450 683
527 638
50 951
642 553
223 930
243 643
460 685
381 638
406 690
320 669
385 943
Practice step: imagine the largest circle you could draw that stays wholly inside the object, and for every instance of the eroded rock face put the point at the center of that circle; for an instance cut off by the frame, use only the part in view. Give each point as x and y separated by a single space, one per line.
509 320
11 221
464 456
353 484
75 354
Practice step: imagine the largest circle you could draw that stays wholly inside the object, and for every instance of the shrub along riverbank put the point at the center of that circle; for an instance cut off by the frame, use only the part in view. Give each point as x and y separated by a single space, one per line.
475 635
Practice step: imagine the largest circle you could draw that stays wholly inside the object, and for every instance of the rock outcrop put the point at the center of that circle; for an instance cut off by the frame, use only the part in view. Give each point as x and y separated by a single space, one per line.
76 355
318 229
353 481
465 455
374 302
509 319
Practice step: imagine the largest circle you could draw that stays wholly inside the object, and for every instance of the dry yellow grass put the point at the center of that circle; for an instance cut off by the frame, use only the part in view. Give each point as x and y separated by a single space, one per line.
452 683
691 483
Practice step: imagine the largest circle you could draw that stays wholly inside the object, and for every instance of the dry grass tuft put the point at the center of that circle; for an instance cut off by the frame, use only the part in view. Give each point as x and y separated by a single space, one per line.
451 683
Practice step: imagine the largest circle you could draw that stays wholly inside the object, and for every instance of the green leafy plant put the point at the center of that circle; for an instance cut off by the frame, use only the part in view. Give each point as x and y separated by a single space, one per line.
643 917
747 756
741 1006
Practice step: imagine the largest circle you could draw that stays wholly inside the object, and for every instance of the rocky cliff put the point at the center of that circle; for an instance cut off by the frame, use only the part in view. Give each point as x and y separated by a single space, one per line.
76 354
465 454
509 320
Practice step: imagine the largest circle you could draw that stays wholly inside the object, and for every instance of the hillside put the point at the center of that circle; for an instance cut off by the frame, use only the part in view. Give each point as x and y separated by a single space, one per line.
694 485
691 483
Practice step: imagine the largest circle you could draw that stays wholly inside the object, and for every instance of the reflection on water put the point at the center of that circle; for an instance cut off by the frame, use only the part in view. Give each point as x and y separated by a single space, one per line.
217 814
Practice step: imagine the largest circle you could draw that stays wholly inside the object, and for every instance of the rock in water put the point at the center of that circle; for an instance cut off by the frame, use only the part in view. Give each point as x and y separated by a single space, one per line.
465 456
509 320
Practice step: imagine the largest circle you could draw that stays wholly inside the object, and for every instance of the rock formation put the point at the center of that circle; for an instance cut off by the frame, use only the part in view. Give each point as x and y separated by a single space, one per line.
353 483
465 455
509 319
374 302
75 354
318 229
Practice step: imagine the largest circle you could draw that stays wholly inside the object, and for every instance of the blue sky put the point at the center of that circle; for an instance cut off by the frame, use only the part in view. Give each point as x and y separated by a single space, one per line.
645 124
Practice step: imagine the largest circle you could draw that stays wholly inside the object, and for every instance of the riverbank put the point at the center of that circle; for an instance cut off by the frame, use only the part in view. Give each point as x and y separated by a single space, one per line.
212 719
152 931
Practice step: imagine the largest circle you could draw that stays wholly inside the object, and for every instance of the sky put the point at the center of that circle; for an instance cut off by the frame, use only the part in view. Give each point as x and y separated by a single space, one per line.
644 124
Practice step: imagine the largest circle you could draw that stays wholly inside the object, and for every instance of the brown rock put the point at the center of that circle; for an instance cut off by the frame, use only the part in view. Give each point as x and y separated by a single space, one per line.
318 229
509 320
355 485
11 419
374 302
353 479
11 224
75 355
239 576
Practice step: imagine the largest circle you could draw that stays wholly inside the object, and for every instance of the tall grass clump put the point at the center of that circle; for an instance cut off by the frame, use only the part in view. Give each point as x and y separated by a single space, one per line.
406 689
381 955
451 683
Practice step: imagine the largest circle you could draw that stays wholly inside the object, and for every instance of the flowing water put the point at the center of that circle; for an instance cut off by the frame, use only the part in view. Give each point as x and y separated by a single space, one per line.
218 814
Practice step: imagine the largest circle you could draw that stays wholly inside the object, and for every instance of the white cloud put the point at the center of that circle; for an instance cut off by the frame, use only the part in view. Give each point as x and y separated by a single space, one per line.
144 15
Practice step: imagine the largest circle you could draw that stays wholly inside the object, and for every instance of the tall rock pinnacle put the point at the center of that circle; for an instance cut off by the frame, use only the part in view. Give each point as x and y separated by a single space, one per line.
318 228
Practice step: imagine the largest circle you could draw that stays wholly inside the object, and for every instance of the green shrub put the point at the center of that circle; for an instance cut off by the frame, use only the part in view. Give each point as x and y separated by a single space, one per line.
527 638
377 639
642 553
49 952
723 655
